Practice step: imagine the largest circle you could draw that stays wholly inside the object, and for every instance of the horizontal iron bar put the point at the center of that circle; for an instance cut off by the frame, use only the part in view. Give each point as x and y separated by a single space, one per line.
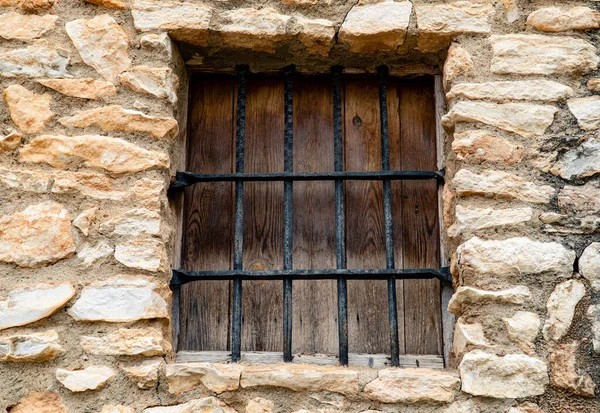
183 277
183 179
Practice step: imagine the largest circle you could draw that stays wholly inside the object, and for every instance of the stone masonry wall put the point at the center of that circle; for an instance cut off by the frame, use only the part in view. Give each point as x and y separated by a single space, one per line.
92 128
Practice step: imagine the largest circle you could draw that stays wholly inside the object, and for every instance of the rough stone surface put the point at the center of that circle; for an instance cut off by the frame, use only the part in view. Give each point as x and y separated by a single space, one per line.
135 222
565 224
121 299
589 265
16 26
594 85
10 142
160 82
28 181
512 10
526 407
525 119
316 34
585 198
465 296
375 27
593 315
517 90
84 220
458 62
473 219
563 371
144 375
511 376
89 378
467 336
534 54
127 342
299 377
34 347
143 254
158 42
523 326
586 111
86 88
39 235
481 146
94 151
102 44
260 405
37 60
92 254
409 386
28 110
561 308
205 405
501 184
215 377
260 30
46 402
111 4
556 19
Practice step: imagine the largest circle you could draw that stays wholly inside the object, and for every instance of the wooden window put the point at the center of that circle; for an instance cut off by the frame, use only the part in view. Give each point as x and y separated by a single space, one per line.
205 307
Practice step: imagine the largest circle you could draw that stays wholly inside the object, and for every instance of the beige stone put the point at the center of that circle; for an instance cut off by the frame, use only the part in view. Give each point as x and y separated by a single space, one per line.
159 43
410 386
85 88
160 82
149 193
466 296
215 377
144 375
481 146
298 377
260 30
517 90
135 222
534 54
127 342
110 4
525 119
84 220
438 23
565 224
501 184
116 118
563 371
589 265
522 326
584 198
469 219
15 26
37 60
89 378
467 336
36 236
561 308
142 254
526 407
34 347
556 19
374 27
512 10
28 110
593 316
46 402
512 376
260 405
184 21
34 6
88 184
205 405
317 35
29 181
10 142
594 85
92 254
458 62
586 111
579 162
94 151
102 44
121 299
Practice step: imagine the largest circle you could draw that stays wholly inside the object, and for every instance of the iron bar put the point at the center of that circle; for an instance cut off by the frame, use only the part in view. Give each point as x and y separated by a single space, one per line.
288 165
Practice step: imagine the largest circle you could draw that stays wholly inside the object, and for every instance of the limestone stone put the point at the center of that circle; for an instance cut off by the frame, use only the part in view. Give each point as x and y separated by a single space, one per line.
16 26
92 254
121 299
586 111
158 42
260 405
204 405
563 371
92 185
135 222
374 27
526 407
160 82
438 23
585 198
561 308
127 342
470 296
501 184
89 378
29 181
517 90
469 219
458 62
525 119
149 192
565 224
94 151
34 6
85 88
184 21
144 375
594 85
215 377
522 326
34 347
556 19
298 377
534 54
142 254
467 336
84 220
10 142
260 30
28 110
36 236
512 376
413 385
317 35
102 44
589 265
37 60
46 402
116 118
110 4
593 315
512 10
579 162
481 146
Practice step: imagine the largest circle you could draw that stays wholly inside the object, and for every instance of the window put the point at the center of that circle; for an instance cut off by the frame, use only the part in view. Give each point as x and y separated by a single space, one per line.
313 203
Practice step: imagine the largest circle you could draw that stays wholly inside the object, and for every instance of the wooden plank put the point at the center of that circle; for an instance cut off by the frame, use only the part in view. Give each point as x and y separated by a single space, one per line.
422 307
207 234
262 303
314 326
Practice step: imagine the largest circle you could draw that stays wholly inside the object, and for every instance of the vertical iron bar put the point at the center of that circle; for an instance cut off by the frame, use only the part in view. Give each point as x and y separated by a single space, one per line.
288 165
238 250
382 72
340 218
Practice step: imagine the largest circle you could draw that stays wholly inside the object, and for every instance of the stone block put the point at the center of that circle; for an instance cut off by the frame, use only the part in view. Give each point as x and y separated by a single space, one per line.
563 371
144 375
467 336
561 308
261 30
474 219
215 377
85 88
133 223
556 19
127 342
580 199
28 110
523 326
44 402
518 90
89 378
34 347
10 142
142 254
589 265
458 62
468 296
16 26
160 82
204 405
482 146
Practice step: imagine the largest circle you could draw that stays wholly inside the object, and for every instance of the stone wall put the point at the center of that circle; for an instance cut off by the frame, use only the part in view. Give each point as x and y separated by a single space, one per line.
93 127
